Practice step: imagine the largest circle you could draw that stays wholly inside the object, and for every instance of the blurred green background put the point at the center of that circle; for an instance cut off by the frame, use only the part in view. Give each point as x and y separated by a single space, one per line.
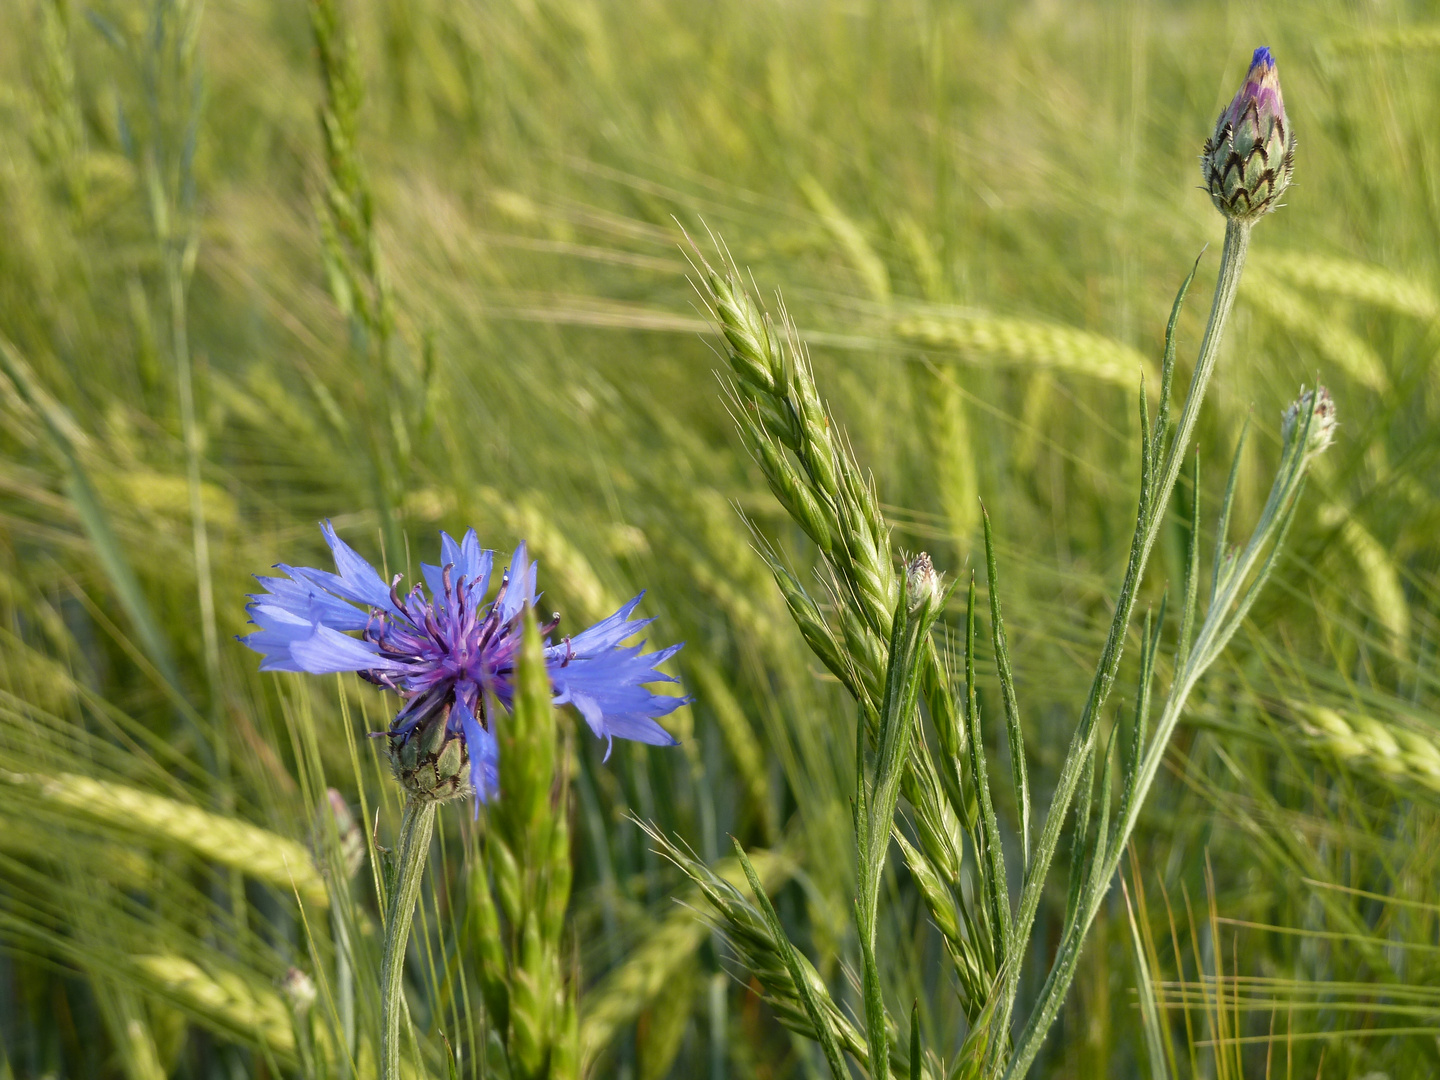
469 306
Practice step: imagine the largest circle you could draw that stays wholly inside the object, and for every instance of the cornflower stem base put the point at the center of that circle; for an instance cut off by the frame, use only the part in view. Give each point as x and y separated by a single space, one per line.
414 845
1232 263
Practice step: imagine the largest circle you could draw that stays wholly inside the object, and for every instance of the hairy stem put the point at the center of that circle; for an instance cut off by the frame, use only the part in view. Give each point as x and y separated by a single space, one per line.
1152 513
415 829
1220 624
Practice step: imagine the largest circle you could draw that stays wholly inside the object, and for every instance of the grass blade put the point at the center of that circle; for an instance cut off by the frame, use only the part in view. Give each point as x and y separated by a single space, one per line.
997 890
1013 731
823 1032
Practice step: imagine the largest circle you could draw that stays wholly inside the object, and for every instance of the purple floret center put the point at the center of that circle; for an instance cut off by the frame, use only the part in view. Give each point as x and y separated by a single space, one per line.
453 644
447 641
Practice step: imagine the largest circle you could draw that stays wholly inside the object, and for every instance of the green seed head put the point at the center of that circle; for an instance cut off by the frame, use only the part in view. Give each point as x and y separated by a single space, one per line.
1248 162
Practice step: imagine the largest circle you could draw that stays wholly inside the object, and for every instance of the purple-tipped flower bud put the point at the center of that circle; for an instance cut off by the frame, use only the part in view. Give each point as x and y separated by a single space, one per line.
1248 161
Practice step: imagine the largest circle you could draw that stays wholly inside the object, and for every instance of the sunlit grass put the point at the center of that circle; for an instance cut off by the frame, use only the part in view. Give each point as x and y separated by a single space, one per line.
979 217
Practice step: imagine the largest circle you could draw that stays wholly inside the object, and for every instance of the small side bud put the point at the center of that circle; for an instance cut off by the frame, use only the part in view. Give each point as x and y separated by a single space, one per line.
298 990
1320 406
922 583
1248 162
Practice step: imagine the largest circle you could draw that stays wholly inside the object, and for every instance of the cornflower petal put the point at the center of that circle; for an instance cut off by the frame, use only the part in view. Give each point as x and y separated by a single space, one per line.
469 560
435 581
484 753
519 588
607 633
327 651
357 580
608 689
300 596
279 629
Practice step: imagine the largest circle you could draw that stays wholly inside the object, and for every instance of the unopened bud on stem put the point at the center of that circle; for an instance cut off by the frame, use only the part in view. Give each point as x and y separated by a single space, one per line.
1320 407
1248 161
922 583
298 989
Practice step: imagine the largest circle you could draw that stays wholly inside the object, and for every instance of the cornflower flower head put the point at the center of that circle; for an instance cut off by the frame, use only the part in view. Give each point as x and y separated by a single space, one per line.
449 653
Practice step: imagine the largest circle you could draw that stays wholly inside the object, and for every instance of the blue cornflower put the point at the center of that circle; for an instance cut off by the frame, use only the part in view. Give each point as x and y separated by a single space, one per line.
448 652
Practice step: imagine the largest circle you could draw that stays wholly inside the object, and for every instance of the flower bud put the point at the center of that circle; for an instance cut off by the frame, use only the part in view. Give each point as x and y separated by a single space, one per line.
1248 161
922 583
1321 432
298 990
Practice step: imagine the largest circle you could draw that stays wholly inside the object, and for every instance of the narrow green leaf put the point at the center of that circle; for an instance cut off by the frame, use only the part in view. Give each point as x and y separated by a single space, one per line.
1013 731
1085 791
1242 608
1147 460
1192 575
877 1036
997 889
1222 529
1149 646
1167 367
450 1071
1102 827
823 1032
915 1049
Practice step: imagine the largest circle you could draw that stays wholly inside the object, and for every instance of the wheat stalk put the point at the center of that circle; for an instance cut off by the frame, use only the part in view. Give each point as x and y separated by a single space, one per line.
1021 343
225 999
1366 743
814 475
260 853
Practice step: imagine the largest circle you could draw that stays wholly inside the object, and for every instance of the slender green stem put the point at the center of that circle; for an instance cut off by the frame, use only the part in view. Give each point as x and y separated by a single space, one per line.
1220 624
1232 262
190 432
410 853
919 604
